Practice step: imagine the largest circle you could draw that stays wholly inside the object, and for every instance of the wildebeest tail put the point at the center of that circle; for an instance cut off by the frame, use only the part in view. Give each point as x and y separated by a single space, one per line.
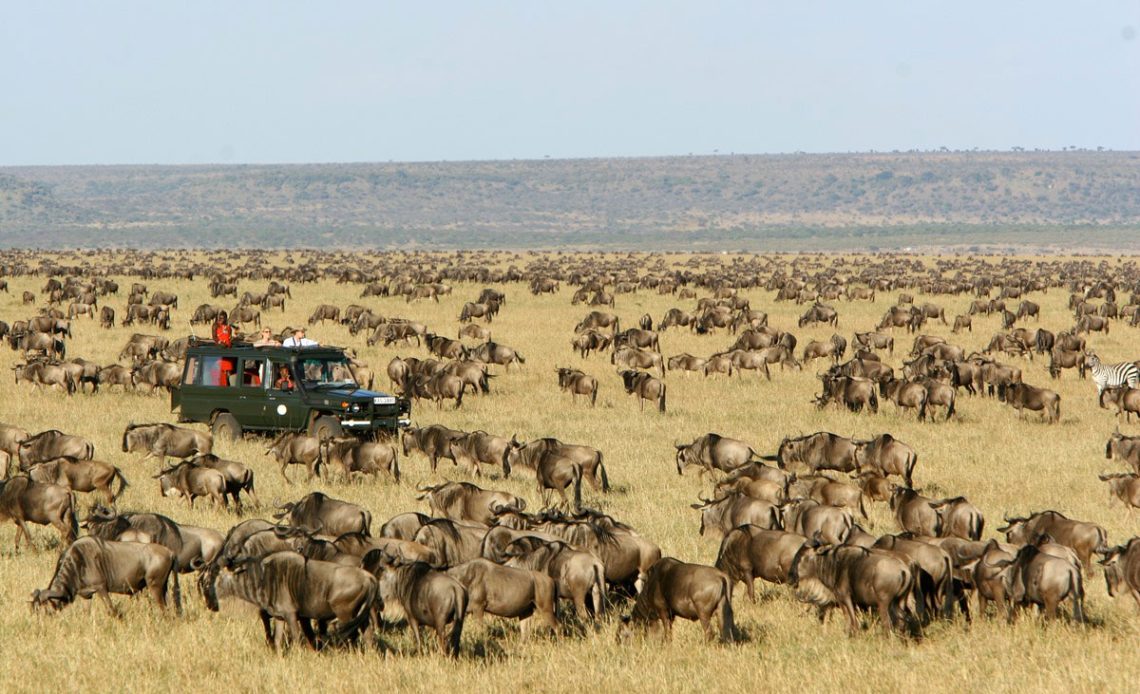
520 358
661 399
395 464
977 524
911 461
599 590
602 472
594 395
348 632
457 625
175 587
727 620
950 409
1078 595
72 522
862 508
122 485
577 486
874 401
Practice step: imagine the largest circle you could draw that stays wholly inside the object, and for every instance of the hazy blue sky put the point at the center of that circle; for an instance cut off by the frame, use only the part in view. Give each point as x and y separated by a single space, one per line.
191 82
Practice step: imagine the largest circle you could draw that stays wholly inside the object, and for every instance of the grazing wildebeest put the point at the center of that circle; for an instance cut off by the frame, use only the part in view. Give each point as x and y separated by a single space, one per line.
820 313
238 476
633 358
850 577
819 451
322 514
495 353
1122 569
869 341
1081 537
959 518
91 566
476 332
505 591
463 501
645 386
51 444
750 552
835 348
296 449
1026 397
325 312
287 587
915 513
164 441
434 441
636 337
576 574
1124 486
678 589
80 476
933 569
962 323
833 493
735 509
599 320
713 452
23 500
577 382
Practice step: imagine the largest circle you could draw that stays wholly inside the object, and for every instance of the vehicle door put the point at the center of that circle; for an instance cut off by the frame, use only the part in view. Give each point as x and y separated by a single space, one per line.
249 392
201 385
284 404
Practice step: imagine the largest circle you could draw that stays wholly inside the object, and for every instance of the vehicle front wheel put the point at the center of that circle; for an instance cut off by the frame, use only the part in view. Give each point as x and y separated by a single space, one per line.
325 427
226 427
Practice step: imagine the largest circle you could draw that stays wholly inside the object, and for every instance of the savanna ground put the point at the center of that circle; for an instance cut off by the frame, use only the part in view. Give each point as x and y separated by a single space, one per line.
1003 464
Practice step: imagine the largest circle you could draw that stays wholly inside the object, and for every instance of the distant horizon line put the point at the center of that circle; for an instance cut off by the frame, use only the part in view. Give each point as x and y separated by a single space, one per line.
707 155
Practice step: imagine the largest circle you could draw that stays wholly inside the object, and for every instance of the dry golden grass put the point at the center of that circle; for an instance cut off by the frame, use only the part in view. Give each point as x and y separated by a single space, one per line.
1002 464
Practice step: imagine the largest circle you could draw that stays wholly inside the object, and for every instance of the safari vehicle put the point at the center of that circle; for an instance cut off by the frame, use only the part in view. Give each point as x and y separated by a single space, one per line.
311 389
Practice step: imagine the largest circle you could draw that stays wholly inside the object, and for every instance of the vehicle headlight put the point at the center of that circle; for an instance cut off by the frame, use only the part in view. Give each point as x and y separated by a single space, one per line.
355 407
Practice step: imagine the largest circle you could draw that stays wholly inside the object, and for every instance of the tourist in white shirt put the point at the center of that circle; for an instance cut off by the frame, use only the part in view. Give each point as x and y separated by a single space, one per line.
299 340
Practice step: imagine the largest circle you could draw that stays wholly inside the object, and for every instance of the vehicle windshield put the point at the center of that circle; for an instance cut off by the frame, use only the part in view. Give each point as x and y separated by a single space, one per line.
325 372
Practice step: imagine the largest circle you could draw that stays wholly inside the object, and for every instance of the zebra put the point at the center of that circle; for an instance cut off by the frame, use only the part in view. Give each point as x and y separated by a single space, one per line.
1111 375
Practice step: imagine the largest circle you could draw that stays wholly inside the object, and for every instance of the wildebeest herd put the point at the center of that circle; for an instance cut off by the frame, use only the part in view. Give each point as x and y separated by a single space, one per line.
848 522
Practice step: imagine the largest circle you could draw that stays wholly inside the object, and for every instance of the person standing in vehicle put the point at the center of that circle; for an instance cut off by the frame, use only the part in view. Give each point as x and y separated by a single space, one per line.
299 340
223 331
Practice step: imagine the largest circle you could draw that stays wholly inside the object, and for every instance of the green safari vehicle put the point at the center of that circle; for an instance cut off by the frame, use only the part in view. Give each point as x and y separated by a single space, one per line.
270 389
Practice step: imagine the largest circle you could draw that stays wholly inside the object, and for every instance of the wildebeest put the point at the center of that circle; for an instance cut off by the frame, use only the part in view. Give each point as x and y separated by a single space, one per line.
296 449
23 500
424 595
478 447
713 452
290 588
819 451
959 518
636 337
749 552
871 340
1125 399
732 510
485 311
1026 397
107 524
1124 486
1082 537
463 501
43 373
645 386
577 382
576 574
1036 577
853 392
356 457
80 476
51 444
835 348
166 440
962 323
238 476
678 589
915 513
1122 569
905 394
810 518
325 312
434 441
505 591
851 577
819 313
1126 448
633 358
318 513
191 481
91 566
532 454
495 353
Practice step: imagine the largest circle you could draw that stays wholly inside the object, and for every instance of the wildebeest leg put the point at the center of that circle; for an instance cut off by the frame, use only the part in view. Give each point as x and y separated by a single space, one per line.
886 616
22 529
852 617
416 636
106 598
294 627
267 625
284 465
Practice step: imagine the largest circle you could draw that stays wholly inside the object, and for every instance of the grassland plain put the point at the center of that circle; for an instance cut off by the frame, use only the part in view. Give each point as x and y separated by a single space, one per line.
1001 463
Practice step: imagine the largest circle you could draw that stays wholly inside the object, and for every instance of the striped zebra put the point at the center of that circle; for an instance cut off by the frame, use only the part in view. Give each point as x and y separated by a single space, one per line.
1112 375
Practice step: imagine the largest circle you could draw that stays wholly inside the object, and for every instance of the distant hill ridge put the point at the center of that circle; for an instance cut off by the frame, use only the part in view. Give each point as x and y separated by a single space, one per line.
733 201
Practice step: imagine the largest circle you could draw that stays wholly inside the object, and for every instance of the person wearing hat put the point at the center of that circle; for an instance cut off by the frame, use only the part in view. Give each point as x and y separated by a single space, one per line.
266 339
299 340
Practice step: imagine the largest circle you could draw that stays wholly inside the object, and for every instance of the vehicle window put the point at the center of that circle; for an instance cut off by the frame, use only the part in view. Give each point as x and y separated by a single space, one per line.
326 371
253 372
192 372
215 371
283 377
